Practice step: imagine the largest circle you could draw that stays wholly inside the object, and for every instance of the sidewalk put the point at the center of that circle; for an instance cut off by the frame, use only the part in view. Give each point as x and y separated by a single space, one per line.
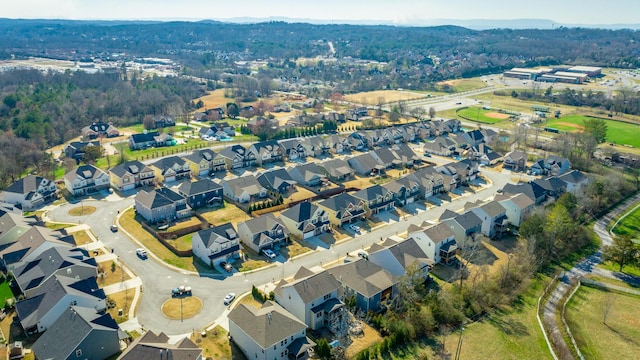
122 286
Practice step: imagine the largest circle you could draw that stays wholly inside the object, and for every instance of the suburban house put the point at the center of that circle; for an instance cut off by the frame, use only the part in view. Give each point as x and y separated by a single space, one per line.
552 186
12 227
450 176
86 179
398 257
130 175
553 165
338 144
269 332
266 152
152 346
29 243
160 205
38 312
80 333
466 169
62 261
309 174
217 244
150 139
356 114
204 162
518 207
75 149
305 220
494 218
201 193
244 189
515 161
236 157
262 232
405 190
161 121
278 180
338 170
368 282
98 129
343 209
315 146
376 198
464 227
430 180
30 192
532 190
293 149
313 298
367 165
438 242
171 168
441 145
358 141
485 154
261 122
575 180
407 156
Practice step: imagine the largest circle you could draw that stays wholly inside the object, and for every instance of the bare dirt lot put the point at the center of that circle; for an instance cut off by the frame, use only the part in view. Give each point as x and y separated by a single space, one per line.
495 115
386 96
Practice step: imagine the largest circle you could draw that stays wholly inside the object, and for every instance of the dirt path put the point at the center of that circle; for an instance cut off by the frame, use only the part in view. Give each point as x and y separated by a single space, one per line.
569 278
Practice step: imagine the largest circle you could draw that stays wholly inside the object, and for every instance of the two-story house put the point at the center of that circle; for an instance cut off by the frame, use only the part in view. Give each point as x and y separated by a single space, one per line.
278 180
30 192
217 244
159 205
201 193
152 345
494 218
204 162
236 157
399 257
262 232
367 165
266 152
75 149
293 149
130 175
98 129
515 161
405 190
376 198
576 181
86 179
309 174
518 207
338 170
305 220
243 189
464 226
437 241
171 168
343 209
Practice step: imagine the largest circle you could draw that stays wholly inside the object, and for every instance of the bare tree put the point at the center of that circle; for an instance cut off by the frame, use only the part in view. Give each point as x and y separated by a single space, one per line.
432 112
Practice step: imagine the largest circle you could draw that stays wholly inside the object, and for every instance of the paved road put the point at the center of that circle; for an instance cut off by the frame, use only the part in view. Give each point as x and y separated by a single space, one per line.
158 278
587 266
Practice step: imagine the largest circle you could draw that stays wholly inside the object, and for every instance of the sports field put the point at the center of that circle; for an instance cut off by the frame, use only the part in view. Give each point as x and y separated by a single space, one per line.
481 115
617 132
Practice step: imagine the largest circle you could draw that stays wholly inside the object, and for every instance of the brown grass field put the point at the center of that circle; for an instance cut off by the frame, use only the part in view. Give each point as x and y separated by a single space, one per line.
190 305
230 213
388 96
111 277
81 237
495 115
82 210
123 300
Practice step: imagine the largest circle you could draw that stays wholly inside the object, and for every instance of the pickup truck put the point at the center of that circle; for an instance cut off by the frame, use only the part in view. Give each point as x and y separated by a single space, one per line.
181 291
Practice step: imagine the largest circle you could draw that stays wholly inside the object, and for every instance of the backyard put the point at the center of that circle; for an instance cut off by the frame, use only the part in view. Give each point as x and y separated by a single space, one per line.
617 338
229 213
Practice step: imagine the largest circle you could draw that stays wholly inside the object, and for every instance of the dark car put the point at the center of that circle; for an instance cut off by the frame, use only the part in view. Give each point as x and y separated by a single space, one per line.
114 228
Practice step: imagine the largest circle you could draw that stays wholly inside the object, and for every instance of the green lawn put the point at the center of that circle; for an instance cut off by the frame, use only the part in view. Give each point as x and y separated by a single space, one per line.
618 338
478 114
5 292
468 84
617 132
630 225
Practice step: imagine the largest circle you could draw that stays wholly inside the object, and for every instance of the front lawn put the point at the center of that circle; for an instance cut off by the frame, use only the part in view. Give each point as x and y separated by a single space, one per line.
82 238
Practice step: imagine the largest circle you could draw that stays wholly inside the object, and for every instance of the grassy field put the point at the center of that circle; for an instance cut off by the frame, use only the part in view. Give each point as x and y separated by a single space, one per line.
5 292
229 213
481 115
630 225
216 345
462 85
618 338
108 277
618 132
386 96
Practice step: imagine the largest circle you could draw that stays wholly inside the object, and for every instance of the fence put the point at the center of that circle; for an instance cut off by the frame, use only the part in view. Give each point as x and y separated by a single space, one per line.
152 231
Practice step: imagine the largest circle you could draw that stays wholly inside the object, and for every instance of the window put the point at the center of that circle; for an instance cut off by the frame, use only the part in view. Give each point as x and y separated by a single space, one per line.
326 297
319 314
78 352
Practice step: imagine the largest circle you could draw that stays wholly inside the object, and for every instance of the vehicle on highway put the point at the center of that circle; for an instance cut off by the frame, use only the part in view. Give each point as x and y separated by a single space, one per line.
114 228
142 253
355 228
269 253
459 103
229 298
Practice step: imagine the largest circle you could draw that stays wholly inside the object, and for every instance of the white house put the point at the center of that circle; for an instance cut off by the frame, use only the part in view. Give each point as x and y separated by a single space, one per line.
437 241
517 207
396 257
217 244
86 179
30 192
493 216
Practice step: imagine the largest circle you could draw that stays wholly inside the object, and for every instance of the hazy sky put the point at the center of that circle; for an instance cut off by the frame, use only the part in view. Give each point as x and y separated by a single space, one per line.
398 11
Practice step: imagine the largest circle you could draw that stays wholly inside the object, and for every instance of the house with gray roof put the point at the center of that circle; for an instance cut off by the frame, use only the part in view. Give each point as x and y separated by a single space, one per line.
518 207
236 157
486 155
70 262
386 157
494 218
515 161
216 244
552 186
407 156
376 198
313 298
338 144
293 149
369 283
203 162
86 179
130 175
150 346
161 205
244 189
343 209
576 181
262 232
12 227
441 145
30 243
30 192
437 241
338 170
76 149
80 333
269 332
171 168
38 312
430 180
367 165
278 180
97 129
465 226
266 152
531 189
398 257
309 174
315 146
404 190
200 193
305 220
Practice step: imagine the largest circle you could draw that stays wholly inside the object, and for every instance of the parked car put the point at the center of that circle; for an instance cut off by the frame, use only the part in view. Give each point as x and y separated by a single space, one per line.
142 253
229 298
181 291
269 253
355 228
114 228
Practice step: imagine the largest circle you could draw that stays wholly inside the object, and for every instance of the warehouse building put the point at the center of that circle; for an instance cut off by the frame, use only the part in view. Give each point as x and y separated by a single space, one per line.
591 71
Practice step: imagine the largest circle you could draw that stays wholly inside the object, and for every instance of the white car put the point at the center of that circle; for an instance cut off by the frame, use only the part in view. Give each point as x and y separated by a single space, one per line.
229 298
141 253
355 228
269 253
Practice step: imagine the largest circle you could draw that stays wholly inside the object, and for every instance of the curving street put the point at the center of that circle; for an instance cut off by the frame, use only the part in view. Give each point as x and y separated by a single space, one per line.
158 278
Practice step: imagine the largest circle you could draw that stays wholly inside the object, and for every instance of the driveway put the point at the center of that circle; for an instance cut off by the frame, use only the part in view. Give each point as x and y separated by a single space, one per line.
159 278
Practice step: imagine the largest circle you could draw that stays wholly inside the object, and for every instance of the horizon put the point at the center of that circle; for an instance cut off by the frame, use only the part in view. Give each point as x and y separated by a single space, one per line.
400 13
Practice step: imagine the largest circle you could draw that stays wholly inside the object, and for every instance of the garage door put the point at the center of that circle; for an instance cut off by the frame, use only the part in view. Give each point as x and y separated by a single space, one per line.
410 200
129 187
308 235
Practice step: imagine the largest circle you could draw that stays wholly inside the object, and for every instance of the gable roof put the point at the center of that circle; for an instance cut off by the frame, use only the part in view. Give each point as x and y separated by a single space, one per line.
131 167
201 154
34 273
144 137
339 202
28 242
274 178
218 234
468 220
573 177
149 345
301 212
264 222
371 193
522 201
314 286
157 198
245 183
439 233
267 325
493 208
406 252
364 277
367 161
201 186
336 167
27 184
233 151
168 162
86 172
